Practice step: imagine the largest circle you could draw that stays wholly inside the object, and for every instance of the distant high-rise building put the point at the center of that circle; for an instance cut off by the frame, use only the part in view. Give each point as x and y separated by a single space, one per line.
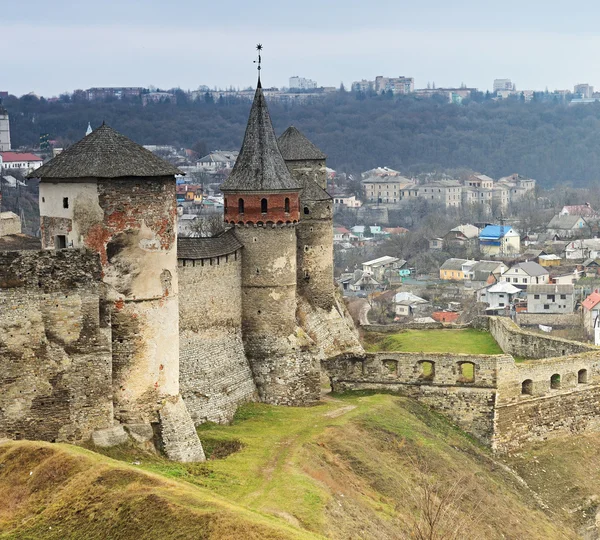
300 83
4 130
584 90
504 84
397 85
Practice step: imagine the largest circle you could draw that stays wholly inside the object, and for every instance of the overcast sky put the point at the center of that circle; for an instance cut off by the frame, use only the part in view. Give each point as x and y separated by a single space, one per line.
58 46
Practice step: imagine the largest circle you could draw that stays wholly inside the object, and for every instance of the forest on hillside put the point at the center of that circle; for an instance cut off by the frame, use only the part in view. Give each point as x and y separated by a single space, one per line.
552 142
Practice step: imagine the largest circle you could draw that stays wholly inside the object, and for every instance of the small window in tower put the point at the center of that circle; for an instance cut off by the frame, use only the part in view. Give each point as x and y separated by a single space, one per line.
287 205
65 202
225 204
306 210
43 199
263 206
241 206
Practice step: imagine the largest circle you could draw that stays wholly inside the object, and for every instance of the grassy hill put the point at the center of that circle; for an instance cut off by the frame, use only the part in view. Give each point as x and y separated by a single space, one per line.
360 466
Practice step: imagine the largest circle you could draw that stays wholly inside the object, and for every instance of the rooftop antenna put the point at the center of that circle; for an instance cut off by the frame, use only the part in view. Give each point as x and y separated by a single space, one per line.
259 49
502 222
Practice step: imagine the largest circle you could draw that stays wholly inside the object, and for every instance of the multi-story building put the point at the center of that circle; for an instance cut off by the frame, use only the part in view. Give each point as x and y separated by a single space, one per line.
300 83
386 189
524 274
550 298
363 86
499 240
503 84
584 90
24 161
446 192
115 92
397 85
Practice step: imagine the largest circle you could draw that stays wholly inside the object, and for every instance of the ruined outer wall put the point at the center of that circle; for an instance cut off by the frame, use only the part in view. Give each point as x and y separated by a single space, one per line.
215 376
556 320
521 343
55 350
469 404
573 406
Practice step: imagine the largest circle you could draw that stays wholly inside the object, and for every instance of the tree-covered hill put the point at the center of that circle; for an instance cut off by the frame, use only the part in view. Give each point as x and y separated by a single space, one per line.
552 142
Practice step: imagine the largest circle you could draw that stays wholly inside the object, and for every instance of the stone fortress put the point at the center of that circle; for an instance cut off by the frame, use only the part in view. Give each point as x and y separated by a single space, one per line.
116 330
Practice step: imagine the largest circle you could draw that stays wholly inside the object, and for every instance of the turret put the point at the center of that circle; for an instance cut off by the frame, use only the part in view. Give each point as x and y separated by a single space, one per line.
262 203
315 230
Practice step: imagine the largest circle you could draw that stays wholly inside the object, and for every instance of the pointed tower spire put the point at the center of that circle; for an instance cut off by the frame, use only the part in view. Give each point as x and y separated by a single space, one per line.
89 129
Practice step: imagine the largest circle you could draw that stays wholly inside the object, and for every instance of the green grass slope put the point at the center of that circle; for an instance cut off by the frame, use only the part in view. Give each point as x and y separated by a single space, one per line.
465 341
357 466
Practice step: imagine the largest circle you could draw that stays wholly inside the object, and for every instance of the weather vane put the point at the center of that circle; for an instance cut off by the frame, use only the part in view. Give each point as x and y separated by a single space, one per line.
259 49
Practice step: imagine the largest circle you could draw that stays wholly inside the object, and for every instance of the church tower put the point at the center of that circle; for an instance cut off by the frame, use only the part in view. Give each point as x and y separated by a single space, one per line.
306 163
262 203
4 130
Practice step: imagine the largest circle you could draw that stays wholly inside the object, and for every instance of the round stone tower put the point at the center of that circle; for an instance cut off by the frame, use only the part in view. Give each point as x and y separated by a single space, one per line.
262 203
306 163
112 196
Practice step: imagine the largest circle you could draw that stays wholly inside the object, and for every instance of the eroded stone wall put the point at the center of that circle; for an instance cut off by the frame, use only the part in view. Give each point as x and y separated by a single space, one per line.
524 344
442 381
215 376
55 348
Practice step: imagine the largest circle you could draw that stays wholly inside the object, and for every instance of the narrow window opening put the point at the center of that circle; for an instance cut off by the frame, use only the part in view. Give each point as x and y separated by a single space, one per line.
582 376
65 202
427 370
287 205
263 206
555 381
467 372
241 206
306 210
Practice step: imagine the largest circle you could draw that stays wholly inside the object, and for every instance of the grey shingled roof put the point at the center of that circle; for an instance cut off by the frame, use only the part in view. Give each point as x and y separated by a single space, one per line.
531 268
294 146
550 289
105 153
566 222
205 248
260 165
453 264
313 192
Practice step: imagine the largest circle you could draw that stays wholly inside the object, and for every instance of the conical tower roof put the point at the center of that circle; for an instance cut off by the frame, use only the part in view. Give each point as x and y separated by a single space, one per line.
105 153
260 165
313 192
294 146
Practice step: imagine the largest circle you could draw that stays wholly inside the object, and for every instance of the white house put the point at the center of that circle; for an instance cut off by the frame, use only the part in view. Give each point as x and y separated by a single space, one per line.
348 201
24 161
550 298
526 273
407 304
498 295
383 267
588 248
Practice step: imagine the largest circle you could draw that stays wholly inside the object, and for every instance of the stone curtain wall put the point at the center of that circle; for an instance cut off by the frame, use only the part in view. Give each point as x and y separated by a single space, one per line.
55 349
470 404
531 407
556 320
521 343
215 376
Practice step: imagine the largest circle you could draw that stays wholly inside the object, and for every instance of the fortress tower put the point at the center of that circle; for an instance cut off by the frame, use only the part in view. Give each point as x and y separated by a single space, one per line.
4 130
112 196
306 163
262 202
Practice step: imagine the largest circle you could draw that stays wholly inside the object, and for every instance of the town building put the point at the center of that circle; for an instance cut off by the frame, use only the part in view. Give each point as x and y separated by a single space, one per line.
498 295
463 235
383 268
117 92
527 273
585 91
591 316
346 201
499 240
445 192
583 210
585 248
23 161
503 84
217 160
551 298
455 269
381 189
301 83
407 304
486 271
568 226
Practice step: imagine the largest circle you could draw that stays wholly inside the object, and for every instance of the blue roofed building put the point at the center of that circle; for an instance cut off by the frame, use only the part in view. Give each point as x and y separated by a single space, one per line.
499 240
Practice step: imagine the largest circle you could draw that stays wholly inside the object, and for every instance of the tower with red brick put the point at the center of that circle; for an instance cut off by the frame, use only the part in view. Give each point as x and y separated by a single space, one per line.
262 202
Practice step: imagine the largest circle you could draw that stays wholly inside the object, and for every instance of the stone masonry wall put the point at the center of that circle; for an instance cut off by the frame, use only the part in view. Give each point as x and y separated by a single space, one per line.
556 320
468 403
215 376
55 349
521 343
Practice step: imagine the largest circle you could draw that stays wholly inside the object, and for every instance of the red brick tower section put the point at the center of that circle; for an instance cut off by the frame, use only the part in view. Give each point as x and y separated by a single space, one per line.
262 202
110 195
314 233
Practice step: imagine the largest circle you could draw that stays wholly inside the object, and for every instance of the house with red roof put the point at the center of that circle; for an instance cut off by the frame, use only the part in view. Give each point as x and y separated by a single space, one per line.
584 210
591 312
20 160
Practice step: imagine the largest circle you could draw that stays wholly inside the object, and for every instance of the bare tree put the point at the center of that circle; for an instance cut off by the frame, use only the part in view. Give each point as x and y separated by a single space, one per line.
207 225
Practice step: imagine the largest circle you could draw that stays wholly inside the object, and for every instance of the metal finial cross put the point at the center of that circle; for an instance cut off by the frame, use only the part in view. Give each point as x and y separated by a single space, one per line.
259 48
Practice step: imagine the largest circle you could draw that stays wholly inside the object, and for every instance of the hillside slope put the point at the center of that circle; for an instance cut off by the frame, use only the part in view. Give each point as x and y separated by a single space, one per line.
360 466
